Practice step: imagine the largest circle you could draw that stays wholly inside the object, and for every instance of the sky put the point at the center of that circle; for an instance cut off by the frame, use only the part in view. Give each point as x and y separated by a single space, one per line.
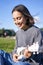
34 6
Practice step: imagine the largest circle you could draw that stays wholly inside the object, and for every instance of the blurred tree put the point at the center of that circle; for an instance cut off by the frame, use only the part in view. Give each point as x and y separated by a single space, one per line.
7 32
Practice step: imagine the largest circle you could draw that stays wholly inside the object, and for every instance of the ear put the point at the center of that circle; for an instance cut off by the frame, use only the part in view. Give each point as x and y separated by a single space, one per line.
31 21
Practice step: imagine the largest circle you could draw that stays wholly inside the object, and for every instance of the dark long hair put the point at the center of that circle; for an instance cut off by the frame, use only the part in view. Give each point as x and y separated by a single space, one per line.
22 9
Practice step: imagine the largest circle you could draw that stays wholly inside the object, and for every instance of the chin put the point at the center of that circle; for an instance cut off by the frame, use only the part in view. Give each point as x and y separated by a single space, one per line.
21 27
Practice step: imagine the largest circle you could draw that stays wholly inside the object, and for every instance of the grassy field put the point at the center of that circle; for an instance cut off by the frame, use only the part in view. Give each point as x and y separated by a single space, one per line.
7 44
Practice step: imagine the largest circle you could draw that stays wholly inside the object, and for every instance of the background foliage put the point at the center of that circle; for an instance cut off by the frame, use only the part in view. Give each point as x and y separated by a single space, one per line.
7 44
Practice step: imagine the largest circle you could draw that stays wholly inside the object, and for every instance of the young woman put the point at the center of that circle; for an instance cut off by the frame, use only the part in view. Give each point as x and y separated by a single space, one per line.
28 37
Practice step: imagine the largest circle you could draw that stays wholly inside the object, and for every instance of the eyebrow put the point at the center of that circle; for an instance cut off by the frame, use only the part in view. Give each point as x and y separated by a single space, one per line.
17 17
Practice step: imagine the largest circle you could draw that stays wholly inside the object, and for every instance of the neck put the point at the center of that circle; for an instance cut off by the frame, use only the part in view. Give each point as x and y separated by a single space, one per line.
27 27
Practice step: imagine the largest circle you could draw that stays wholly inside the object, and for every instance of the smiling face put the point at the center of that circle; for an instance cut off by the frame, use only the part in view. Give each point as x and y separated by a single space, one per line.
19 19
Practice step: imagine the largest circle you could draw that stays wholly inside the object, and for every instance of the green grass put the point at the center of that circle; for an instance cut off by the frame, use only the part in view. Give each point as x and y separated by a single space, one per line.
7 44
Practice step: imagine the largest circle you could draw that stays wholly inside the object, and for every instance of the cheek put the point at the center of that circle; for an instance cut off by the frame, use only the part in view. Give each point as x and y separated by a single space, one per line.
23 21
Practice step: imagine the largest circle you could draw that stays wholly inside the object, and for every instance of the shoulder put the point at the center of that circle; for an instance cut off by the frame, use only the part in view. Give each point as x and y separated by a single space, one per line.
35 30
19 32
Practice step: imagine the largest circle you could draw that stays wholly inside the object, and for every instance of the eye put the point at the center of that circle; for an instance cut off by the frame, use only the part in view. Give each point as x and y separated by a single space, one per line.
18 18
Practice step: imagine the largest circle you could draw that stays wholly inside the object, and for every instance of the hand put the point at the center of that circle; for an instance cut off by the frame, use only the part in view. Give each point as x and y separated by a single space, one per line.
15 57
27 53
